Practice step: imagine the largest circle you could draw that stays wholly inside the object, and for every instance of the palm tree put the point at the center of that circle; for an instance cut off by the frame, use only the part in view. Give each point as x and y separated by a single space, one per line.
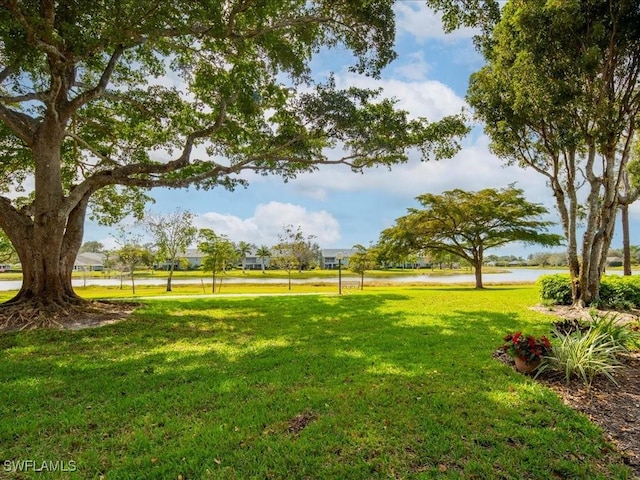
243 249
262 253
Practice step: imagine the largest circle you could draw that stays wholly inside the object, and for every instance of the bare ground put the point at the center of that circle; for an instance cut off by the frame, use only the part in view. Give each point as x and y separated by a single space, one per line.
92 314
615 408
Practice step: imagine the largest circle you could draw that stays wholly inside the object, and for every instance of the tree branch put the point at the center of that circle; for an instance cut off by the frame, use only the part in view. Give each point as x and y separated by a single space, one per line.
5 73
22 125
89 147
130 175
29 97
300 21
101 86
34 35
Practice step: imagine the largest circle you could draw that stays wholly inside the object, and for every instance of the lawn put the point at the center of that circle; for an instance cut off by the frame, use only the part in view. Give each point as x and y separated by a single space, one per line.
394 382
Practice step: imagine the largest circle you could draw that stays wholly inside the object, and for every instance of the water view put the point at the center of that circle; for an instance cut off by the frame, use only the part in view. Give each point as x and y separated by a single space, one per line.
512 276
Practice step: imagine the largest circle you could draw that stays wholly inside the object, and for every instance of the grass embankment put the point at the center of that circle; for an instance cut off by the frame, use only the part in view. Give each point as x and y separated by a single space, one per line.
388 383
199 275
195 288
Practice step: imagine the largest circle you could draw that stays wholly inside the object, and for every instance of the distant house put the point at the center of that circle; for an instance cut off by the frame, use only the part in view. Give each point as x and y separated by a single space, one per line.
329 259
193 257
253 262
89 262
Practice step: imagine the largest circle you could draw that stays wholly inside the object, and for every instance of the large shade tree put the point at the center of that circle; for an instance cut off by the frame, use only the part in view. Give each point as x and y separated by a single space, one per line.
101 101
560 96
466 224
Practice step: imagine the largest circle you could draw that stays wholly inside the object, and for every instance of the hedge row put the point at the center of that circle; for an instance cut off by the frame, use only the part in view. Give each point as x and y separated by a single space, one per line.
615 291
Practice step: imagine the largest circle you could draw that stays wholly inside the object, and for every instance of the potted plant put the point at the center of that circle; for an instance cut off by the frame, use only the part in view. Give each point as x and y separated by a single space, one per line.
526 350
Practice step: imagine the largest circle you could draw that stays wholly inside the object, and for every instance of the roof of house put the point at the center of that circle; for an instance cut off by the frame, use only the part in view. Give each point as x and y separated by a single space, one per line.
89 258
332 252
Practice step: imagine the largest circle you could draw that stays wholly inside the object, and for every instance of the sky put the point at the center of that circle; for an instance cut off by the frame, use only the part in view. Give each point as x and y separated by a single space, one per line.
341 208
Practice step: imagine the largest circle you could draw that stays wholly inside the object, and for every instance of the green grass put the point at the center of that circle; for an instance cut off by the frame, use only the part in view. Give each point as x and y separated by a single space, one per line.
387 383
179 290
281 274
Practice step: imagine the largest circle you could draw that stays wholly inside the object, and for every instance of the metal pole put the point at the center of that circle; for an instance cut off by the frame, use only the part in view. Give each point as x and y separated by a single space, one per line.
340 276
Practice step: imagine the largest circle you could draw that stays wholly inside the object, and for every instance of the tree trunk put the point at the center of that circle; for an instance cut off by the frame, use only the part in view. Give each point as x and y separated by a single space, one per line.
48 237
602 205
476 262
626 242
478 274
170 274
133 282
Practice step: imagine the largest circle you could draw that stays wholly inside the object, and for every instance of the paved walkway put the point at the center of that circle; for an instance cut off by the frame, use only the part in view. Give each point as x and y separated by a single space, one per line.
219 295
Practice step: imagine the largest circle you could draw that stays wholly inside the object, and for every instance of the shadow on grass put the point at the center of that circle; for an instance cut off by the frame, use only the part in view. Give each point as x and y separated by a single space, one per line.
385 385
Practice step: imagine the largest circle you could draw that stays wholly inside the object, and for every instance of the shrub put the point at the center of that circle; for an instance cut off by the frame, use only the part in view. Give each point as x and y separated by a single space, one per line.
619 291
624 335
555 289
583 355
615 291
587 349
570 325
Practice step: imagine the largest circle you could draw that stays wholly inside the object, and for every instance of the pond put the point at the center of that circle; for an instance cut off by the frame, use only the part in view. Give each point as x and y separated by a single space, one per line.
520 275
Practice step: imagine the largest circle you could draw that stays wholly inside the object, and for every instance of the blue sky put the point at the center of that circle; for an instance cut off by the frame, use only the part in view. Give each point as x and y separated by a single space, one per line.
342 208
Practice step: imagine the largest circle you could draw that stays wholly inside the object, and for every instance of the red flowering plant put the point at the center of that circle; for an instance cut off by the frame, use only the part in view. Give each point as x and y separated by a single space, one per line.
526 347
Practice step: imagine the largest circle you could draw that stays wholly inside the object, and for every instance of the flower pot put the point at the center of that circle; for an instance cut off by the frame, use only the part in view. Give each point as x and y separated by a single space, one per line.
526 367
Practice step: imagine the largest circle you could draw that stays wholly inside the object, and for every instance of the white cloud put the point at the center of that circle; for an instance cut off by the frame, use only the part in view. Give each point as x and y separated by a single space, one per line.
418 20
268 221
428 98
415 68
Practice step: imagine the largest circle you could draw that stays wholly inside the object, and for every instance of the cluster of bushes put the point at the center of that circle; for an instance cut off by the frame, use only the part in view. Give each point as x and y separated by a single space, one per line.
621 292
586 349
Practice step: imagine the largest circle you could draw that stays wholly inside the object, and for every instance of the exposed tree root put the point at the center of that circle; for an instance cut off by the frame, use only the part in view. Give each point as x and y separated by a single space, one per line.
32 314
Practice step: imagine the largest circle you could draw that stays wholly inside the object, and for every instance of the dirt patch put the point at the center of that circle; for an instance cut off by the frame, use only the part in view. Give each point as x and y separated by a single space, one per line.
91 315
615 408
565 311
105 313
300 422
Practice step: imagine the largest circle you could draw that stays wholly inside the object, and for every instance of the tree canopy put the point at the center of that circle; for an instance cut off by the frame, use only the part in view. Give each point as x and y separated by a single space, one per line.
218 252
466 224
102 101
559 95
172 234
363 259
294 250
